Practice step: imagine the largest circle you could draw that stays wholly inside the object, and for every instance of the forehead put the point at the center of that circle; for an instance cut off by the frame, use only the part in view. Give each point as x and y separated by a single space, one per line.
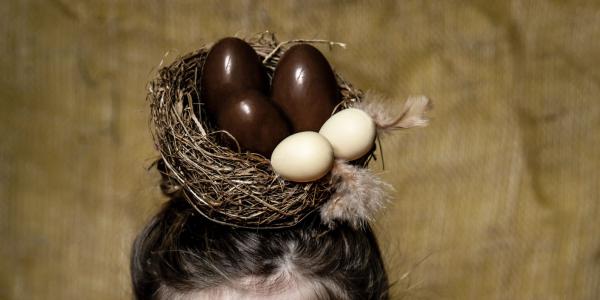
235 294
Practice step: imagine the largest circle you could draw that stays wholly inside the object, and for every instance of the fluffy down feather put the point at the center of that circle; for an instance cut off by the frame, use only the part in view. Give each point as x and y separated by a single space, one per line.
411 115
359 195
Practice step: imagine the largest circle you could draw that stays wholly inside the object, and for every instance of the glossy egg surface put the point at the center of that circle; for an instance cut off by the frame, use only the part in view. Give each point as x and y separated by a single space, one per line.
255 122
305 88
231 66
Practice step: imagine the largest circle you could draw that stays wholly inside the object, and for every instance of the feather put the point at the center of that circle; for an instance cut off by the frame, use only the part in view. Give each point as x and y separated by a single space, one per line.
411 115
359 195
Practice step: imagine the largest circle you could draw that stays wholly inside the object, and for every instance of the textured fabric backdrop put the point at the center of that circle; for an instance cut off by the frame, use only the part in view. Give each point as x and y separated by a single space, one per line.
497 199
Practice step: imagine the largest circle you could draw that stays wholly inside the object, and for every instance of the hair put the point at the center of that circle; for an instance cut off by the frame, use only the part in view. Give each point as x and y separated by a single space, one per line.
182 255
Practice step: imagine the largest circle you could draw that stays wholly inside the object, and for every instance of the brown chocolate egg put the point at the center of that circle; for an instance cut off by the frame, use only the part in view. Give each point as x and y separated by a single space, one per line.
231 66
255 122
304 87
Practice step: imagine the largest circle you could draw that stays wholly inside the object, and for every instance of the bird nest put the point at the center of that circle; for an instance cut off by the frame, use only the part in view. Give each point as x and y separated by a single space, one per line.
224 184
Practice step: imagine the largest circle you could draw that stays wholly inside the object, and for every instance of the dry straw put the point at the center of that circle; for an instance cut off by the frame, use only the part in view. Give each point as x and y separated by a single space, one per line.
240 188
224 185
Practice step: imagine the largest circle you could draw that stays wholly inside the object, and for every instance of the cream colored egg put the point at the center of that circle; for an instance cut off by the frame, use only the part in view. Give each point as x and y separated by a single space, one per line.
351 133
302 157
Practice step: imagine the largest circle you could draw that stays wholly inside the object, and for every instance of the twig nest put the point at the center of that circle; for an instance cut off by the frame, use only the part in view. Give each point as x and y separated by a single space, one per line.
229 185
224 183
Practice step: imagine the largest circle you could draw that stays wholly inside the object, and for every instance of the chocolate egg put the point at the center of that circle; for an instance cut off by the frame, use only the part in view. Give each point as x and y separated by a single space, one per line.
231 66
255 122
305 88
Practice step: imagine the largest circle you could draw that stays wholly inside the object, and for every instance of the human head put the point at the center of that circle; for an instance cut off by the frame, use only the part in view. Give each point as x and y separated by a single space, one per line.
182 255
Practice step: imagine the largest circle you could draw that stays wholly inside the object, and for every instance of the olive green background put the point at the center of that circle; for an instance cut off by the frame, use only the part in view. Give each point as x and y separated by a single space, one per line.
496 199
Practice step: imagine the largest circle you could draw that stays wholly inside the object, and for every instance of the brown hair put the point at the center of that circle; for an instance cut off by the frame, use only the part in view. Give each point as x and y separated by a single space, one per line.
180 253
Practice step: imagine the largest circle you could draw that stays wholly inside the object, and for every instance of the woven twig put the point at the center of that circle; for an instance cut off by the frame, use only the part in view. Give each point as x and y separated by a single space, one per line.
228 186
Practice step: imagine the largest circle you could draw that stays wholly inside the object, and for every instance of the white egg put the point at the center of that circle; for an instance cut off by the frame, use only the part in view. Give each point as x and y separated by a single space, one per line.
351 133
302 157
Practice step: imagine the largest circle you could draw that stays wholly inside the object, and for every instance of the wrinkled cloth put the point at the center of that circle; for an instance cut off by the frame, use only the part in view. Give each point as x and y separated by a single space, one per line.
497 199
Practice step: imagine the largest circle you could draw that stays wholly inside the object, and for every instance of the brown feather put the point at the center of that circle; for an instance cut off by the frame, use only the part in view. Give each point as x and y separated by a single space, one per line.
411 115
359 195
